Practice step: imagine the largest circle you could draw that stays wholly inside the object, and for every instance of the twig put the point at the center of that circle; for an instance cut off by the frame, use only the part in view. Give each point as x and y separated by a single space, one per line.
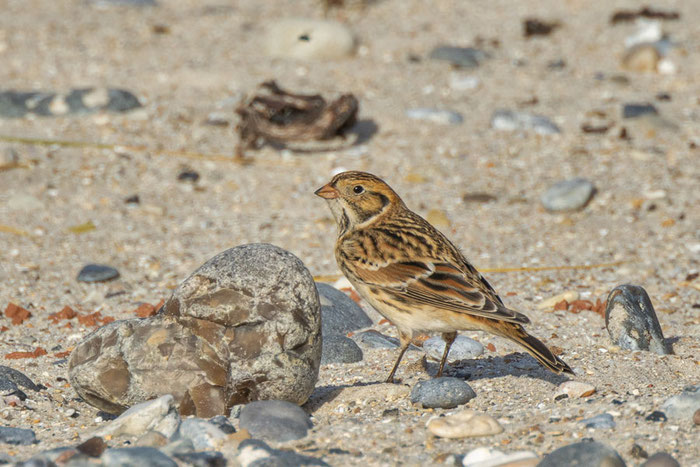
14 230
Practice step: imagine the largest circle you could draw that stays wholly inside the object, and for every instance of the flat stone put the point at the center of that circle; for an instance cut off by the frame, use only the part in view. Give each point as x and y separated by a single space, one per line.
140 455
656 416
445 393
684 405
489 457
308 39
97 273
17 104
512 120
631 320
376 340
202 459
465 424
463 348
602 421
441 116
588 453
568 195
19 436
203 434
638 110
661 459
574 390
155 415
256 453
339 313
275 420
463 57
17 378
340 349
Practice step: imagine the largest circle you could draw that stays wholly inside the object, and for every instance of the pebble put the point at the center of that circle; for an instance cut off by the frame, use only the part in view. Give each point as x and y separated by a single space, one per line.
569 296
11 378
339 313
589 453
444 392
568 195
638 110
460 82
643 58
21 436
152 438
97 273
377 340
631 320
223 423
489 457
604 420
155 415
202 459
17 104
656 416
574 390
440 116
275 420
308 39
463 57
683 405
512 120
203 434
340 349
140 455
661 459
463 348
696 417
465 424
188 176
254 452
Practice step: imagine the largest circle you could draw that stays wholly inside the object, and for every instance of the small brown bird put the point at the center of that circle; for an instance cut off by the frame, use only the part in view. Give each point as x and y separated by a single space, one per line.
412 274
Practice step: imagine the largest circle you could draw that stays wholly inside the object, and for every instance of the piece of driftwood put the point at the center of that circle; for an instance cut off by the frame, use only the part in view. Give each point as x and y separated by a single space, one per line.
277 116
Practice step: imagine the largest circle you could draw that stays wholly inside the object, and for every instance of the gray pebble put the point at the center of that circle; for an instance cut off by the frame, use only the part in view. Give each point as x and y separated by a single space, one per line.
275 420
661 459
223 423
604 420
512 120
204 435
21 436
584 453
256 453
11 378
568 195
463 348
340 349
140 455
441 116
464 57
97 273
17 104
638 110
202 459
683 405
376 340
444 393
656 416
339 313
631 320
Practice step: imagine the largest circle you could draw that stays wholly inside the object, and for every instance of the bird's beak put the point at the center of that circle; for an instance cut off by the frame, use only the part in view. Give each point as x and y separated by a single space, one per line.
327 192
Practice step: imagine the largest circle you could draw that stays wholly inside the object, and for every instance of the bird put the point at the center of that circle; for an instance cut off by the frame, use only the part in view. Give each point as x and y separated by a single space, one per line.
413 275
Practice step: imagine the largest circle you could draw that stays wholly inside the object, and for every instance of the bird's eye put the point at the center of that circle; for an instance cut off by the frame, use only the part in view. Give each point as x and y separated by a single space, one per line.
358 189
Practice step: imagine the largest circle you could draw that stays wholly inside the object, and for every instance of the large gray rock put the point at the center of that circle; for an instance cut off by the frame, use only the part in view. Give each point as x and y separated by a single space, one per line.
275 420
244 326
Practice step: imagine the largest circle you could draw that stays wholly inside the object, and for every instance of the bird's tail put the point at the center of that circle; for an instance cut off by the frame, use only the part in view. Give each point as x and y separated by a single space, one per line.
537 349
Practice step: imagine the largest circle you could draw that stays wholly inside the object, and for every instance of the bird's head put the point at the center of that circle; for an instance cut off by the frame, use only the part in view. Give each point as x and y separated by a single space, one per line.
358 197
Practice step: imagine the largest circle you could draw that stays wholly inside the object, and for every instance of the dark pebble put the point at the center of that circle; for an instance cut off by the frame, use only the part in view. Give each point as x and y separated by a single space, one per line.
188 176
638 452
202 459
140 455
15 377
254 452
588 453
637 110
445 393
275 420
93 447
661 459
340 349
97 273
223 423
21 436
538 27
656 416
339 313
133 199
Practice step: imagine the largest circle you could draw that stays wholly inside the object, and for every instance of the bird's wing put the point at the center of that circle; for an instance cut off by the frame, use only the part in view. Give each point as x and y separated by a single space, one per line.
434 282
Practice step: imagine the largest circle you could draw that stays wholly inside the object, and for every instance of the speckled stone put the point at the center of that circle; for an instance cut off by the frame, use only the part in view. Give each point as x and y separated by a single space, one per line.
275 420
140 455
340 349
588 453
445 393
20 436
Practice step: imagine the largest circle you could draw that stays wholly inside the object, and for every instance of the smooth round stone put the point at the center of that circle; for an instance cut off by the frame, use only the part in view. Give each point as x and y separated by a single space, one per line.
443 117
463 348
308 39
444 393
141 455
19 436
464 57
568 195
513 120
661 459
641 58
275 420
465 424
339 313
588 453
340 349
489 457
574 390
604 420
631 320
683 405
638 110
97 273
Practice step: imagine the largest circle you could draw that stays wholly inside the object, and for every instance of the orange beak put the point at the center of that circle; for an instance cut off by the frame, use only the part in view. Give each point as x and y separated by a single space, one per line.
327 192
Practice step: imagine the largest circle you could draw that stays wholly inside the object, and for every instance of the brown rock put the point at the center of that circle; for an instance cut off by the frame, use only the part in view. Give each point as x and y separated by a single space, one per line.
17 314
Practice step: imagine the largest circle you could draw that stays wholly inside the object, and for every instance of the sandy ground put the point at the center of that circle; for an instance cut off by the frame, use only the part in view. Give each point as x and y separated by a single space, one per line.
645 214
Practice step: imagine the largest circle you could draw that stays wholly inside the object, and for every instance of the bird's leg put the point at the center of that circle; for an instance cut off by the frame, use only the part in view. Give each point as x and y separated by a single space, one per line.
405 339
449 338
